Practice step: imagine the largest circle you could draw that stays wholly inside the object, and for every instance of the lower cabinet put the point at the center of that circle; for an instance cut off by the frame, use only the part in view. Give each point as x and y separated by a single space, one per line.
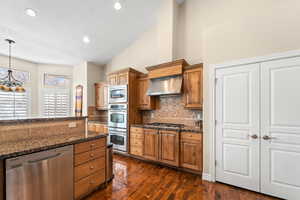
150 148
169 147
89 170
179 149
191 151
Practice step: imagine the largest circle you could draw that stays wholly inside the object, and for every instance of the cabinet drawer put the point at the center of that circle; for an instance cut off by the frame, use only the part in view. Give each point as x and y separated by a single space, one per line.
88 184
87 146
136 130
89 168
88 156
136 150
136 136
136 142
191 136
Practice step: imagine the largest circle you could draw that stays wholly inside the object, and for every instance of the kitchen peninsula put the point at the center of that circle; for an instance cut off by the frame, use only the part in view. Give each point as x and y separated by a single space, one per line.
40 147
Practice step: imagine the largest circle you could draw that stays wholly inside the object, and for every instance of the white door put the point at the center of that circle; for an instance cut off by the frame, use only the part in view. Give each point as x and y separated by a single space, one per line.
280 128
237 128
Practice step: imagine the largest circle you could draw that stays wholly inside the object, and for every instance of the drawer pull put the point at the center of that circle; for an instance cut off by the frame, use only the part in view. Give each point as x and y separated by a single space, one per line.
92 145
91 155
91 167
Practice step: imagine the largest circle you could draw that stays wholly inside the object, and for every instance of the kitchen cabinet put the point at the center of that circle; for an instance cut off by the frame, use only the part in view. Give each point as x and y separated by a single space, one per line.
118 78
98 127
169 147
136 141
101 95
145 102
193 87
112 79
90 164
191 151
150 148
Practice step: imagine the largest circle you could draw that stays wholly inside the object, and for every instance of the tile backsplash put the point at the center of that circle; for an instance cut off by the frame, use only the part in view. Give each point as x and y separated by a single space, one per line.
171 110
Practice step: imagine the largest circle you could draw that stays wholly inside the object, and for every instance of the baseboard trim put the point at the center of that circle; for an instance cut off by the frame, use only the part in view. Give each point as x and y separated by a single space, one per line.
207 177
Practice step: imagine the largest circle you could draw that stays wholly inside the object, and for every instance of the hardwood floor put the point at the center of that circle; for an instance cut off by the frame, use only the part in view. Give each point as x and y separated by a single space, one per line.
137 180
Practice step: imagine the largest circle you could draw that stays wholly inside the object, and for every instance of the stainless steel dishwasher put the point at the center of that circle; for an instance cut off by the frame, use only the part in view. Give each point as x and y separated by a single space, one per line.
46 175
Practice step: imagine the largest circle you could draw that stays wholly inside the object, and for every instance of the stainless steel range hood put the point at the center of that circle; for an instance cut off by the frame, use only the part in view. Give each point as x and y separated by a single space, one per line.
165 86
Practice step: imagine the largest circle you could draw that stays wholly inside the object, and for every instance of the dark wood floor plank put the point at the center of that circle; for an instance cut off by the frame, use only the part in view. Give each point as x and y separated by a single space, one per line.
137 180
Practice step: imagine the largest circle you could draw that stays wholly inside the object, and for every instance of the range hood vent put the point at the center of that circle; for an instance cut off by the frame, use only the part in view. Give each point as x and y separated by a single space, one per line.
165 86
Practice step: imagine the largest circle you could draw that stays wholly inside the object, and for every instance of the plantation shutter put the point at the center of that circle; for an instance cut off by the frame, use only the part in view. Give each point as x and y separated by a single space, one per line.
14 105
56 102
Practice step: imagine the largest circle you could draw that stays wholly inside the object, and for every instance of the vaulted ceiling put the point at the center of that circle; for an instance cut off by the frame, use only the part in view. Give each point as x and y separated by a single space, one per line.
55 34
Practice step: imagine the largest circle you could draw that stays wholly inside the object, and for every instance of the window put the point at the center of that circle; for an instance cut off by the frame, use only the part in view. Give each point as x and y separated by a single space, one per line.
14 105
56 96
56 103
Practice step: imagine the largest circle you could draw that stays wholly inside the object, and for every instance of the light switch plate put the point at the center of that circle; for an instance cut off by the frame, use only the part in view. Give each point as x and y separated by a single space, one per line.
72 125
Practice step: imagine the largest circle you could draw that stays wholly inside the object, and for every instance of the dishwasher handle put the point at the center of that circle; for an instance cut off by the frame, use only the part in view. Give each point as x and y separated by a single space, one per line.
45 158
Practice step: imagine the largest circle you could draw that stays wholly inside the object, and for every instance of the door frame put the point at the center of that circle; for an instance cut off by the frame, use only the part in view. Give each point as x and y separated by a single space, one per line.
211 176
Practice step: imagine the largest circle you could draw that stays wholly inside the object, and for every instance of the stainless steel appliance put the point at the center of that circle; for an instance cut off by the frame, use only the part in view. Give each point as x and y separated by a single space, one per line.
117 115
165 86
118 137
46 175
118 94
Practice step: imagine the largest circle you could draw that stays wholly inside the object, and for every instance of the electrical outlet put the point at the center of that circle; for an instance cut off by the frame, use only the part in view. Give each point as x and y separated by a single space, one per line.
72 125
199 116
152 115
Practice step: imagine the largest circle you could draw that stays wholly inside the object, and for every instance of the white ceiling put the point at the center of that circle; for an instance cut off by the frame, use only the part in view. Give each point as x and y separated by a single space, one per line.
55 35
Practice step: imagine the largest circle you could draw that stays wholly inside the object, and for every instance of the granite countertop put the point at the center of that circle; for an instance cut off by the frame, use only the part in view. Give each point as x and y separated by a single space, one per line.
96 122
8 150
193 129
38 119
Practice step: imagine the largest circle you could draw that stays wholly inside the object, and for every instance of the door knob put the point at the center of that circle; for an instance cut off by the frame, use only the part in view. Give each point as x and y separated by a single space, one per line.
254 136
266 137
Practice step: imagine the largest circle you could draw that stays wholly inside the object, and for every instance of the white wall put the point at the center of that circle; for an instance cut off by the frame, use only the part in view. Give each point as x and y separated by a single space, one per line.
95 73
80 78
153 47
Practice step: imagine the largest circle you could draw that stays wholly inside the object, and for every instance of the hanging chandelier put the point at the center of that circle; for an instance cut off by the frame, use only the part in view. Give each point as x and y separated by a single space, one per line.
9 83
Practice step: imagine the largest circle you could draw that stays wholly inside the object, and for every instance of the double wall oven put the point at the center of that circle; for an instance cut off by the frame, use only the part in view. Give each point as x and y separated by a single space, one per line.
117 117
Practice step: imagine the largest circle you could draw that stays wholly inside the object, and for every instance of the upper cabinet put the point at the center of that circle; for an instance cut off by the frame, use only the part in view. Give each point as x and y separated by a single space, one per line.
101 96
193 87
145 102
118 78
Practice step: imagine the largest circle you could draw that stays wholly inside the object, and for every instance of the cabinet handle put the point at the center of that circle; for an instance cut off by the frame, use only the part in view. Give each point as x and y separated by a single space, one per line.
254 136
92 155
92 145
91 167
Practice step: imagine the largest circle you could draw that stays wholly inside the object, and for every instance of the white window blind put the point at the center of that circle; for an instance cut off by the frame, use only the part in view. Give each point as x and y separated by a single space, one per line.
56 102
14 105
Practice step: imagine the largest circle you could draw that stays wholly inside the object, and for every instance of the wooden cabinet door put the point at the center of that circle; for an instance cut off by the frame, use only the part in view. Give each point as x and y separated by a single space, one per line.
193 88
150 148
169 147
145 102
191 155
112 79
101 96
123 78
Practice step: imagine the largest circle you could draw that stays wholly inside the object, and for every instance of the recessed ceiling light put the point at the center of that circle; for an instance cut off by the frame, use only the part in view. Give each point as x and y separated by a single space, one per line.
30 12
86 39
118 5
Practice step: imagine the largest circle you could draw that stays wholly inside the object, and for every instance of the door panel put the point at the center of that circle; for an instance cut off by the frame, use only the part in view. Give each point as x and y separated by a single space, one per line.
237 114
280 126
150 144
169 147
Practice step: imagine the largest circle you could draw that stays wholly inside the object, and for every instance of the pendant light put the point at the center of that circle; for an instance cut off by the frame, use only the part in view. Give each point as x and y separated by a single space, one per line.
10 83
